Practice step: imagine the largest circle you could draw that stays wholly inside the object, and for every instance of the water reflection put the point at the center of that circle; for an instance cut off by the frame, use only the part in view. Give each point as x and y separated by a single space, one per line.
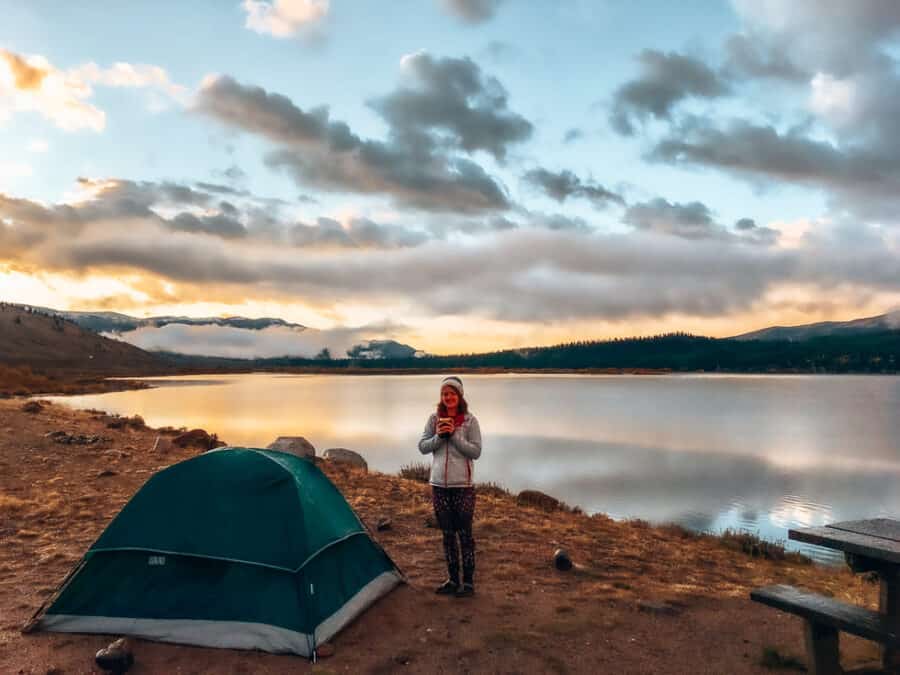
763 453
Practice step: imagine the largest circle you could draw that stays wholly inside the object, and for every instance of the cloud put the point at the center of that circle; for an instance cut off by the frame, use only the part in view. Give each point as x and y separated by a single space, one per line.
842 56
665 80
25 75
452 96
324 153
560 186
693 220
833 35
472 11
749 58
866 178
33 84
284 18
536 268
38 145
355 233
573 135
229 342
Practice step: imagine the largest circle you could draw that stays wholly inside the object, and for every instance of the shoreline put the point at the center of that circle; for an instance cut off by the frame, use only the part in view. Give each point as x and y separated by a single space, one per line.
63 384
527 616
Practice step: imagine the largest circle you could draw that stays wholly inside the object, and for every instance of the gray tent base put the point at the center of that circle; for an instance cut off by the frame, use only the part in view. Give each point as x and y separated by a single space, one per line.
228 634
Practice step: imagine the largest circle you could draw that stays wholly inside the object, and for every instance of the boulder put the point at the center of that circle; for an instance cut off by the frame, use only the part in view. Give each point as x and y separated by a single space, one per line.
162 444
538 499
296 445
32 407
345 456
197 438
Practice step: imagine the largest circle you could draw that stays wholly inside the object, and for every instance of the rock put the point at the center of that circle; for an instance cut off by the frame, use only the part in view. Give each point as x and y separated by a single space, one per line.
75 439
383 524
163 444
106 473
32 407
658 607
539 499
324 651
295 445
430 522
345 456
561 560
197 438
402 658
116 658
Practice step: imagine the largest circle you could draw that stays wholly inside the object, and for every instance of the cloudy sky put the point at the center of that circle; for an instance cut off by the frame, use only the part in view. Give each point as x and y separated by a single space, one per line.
459 175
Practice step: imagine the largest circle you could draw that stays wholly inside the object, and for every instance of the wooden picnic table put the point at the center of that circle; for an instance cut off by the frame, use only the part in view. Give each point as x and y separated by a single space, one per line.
869 546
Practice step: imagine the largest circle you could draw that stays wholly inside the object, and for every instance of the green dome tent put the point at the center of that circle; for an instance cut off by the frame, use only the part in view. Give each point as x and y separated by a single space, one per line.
238 547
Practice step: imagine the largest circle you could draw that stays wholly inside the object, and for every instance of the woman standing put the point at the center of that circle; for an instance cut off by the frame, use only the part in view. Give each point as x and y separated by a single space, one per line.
453 439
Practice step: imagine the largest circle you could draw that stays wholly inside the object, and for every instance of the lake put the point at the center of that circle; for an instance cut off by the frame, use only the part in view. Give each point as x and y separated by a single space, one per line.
759 453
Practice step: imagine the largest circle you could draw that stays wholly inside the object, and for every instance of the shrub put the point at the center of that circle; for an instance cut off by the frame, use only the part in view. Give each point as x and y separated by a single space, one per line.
419 471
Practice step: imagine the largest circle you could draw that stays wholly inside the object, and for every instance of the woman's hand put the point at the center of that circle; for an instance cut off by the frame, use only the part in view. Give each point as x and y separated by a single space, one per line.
446 427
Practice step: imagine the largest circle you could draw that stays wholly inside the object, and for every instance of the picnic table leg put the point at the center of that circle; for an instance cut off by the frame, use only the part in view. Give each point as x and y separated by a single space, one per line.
889 603
822 656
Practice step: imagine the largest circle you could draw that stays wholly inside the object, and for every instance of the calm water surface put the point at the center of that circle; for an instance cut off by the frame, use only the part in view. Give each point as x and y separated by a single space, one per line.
760 453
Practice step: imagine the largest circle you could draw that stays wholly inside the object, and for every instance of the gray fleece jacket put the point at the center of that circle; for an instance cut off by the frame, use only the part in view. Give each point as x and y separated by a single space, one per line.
452 458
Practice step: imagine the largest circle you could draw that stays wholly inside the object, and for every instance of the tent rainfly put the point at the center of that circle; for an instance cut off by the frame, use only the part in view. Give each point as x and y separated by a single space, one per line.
239 548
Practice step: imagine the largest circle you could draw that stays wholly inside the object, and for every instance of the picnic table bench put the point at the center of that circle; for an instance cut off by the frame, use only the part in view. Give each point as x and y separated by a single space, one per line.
869 546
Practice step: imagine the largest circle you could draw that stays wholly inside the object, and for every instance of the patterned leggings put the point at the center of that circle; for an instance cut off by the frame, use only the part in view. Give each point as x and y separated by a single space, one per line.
454 509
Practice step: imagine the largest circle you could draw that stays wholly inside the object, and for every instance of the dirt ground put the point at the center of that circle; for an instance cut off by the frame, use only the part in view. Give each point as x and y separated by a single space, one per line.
527 617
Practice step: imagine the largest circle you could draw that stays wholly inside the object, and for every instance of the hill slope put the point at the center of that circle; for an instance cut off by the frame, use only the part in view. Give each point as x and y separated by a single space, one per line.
46 342
882 322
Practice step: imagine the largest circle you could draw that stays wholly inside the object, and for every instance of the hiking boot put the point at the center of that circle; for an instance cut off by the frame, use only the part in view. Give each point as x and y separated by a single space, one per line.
465 590
449 587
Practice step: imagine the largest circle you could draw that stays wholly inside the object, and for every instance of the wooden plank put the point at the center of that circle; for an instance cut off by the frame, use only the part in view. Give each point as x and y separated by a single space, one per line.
889 605
863 545
859 621
822 656
883 528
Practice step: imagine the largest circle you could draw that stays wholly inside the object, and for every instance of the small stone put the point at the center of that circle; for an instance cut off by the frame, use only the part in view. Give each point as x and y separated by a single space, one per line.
32 407
430 522
325 651
383 524
106 473
658 607
116 657
402 658
561 560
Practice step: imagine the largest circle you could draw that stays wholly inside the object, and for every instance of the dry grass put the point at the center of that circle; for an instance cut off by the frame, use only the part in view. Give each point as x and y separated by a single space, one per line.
756 547
21 380
418 471
8 503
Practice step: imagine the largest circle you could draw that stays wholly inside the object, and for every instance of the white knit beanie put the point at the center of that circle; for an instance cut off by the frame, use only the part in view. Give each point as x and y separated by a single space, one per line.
454 382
